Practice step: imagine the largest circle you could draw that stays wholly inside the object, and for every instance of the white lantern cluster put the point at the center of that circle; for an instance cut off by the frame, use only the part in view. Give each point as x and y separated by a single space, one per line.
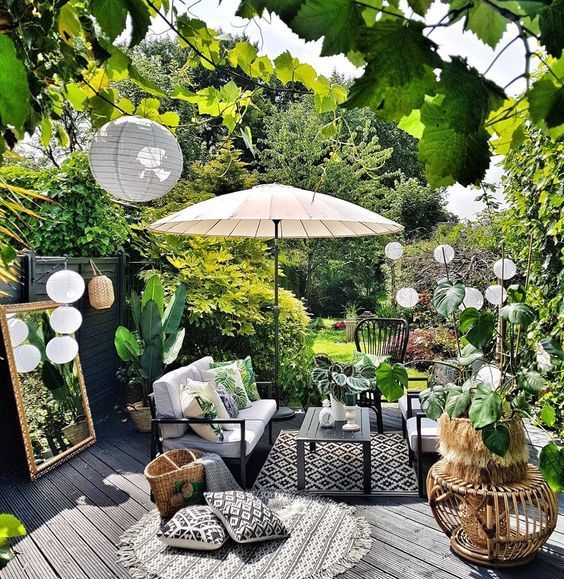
504 269
27 358
443 254
135 159
407 297
393 250
61 349
65 286
496 294
18 331
65 320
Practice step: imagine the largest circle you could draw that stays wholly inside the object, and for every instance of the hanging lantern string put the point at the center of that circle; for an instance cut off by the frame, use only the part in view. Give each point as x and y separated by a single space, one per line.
50 270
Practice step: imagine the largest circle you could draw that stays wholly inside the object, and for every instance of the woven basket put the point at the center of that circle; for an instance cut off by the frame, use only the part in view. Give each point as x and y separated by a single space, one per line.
140 416
176 480
100 290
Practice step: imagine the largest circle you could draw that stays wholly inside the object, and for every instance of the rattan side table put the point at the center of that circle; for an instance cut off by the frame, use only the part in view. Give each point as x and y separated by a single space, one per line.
497 526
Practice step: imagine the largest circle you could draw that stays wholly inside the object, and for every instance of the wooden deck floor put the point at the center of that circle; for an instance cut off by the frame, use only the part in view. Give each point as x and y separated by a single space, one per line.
76 514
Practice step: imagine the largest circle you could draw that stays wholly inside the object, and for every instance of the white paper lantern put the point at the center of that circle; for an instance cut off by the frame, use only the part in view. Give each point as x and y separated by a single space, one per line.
393 250
473 298
407 297
496 295
65 320
18 331
504 269
65 286
27 358
61 349
444 253
135 159
489 374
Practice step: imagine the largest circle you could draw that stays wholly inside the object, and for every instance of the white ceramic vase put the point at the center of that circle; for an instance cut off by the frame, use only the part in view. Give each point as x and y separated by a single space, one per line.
338 408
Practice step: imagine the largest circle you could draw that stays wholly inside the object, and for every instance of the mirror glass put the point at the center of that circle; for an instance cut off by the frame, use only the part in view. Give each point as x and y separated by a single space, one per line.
48 383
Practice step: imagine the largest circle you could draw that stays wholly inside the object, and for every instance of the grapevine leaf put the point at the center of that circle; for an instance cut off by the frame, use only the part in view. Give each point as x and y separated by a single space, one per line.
420 6
140 20
14 88
242 55
69 24
111 15
551 24
486 23
546 104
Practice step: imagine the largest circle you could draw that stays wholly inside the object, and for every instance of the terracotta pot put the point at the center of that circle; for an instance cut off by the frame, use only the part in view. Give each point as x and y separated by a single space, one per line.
467 458
338 408
140 416
76 432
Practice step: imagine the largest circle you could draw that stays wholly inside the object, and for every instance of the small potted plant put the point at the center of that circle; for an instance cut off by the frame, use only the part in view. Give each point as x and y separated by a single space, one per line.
351 320
154 343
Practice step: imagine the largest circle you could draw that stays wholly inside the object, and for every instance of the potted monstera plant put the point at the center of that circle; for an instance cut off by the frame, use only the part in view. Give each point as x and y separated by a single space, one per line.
153 344
481 431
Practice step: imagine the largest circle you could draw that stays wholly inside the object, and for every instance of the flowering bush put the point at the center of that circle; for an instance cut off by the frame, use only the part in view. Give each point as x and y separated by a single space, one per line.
339 326
430 344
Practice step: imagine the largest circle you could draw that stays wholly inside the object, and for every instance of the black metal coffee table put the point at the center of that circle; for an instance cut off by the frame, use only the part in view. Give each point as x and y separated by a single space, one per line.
312 432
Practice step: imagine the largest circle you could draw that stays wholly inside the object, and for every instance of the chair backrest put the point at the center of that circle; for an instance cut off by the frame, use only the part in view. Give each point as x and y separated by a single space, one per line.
167 391
382 337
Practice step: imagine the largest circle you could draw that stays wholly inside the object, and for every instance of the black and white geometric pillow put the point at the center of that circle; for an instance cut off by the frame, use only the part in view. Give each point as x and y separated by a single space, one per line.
246 518
193 528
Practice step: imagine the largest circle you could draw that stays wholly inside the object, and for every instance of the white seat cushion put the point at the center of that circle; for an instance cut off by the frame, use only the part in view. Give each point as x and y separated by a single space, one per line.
415 405
229 448
429 434
167 391
262 410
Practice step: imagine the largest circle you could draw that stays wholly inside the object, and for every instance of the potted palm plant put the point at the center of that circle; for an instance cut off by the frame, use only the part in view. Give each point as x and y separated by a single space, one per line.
153 344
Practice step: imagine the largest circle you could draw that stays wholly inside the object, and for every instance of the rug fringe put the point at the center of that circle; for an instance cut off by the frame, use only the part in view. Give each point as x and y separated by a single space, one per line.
127 557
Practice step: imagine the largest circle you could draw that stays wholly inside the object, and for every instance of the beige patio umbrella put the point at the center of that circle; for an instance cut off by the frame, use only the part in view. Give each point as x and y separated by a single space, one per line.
276 211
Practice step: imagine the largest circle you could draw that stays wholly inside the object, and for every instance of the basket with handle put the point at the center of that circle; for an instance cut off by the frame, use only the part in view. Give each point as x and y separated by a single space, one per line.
176 480
100 289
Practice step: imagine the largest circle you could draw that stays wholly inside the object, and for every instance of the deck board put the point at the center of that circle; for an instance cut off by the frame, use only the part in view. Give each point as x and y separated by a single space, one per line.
76 514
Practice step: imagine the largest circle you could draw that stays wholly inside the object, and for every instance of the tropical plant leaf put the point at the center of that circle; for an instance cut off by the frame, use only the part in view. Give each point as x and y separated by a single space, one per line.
153 291
172 346
478 326
518 314
151 362
486 407
126 345
174 310
469 354
516 293
448 296
51 376
433 401
531 381
457 402
551 346
548 415
551 465
391 380
151 325
135 305
496 438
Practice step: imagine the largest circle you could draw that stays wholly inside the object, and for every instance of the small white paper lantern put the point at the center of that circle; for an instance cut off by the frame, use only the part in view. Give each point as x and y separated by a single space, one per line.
496 295
65 320
18 331
543 358
135 159
489 374
61 349
473 298
65 286
393 250
504 269
444 253
27 358
407 297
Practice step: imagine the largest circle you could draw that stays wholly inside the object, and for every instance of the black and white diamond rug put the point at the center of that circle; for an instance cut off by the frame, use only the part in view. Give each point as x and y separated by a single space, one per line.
338 467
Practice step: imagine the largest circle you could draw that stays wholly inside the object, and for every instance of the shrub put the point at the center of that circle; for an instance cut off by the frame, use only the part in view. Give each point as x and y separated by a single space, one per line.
428 344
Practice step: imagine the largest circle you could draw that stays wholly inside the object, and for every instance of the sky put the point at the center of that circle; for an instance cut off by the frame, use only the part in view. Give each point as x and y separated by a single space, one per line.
274 37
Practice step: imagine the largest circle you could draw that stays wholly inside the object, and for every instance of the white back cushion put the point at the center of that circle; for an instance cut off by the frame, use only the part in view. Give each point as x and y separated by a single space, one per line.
167 394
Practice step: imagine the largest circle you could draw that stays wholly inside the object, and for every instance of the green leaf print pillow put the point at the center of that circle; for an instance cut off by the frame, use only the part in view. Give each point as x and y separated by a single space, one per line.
230 378
247 375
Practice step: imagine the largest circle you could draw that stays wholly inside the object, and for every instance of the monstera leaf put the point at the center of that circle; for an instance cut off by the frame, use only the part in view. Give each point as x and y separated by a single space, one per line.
486 406
433 401
448 296
458 401
391 380
496 438
478 326
518 314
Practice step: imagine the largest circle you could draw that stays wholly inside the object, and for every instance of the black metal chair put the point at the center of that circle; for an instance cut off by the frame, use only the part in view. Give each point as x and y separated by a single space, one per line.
380 337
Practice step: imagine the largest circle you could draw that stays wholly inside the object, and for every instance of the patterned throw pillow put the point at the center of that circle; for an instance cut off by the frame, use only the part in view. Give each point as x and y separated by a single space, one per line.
196 405
228 402
193 528
246 518
247 375
230 378
206 390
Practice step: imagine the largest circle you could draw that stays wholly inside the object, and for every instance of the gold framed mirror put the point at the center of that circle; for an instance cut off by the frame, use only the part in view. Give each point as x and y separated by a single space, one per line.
49 390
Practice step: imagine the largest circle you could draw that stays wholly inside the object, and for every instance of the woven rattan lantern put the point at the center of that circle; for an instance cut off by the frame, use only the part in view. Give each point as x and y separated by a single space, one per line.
100 290
135 159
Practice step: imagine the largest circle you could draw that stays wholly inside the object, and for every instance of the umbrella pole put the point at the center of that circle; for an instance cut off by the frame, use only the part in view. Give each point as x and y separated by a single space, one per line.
282 412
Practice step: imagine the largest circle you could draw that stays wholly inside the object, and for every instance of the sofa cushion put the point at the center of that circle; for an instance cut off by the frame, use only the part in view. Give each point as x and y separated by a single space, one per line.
230 378
194 527
429 434
167 394
415 405
247 374
208 392
262 410
228 401
229 448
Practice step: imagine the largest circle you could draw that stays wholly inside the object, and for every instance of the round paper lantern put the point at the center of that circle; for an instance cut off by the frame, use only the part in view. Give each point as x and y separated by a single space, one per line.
135 159
407 297
393 250
65 320
496 295
473 298
27 358
444 253
489 374
62 349
18 331
65 286
504 269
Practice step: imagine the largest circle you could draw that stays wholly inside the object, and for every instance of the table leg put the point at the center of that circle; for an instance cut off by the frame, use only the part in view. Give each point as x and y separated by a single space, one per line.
301 465
312 447
367 455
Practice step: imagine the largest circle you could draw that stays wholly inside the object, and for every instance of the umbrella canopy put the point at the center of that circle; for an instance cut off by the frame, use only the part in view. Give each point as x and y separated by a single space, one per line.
297 212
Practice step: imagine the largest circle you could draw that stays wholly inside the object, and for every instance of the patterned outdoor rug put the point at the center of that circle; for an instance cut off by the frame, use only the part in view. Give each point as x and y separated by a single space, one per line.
326 539
338 467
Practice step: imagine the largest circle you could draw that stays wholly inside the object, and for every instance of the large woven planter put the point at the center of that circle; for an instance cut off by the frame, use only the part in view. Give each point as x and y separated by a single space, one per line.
76 432
466 457
140 416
